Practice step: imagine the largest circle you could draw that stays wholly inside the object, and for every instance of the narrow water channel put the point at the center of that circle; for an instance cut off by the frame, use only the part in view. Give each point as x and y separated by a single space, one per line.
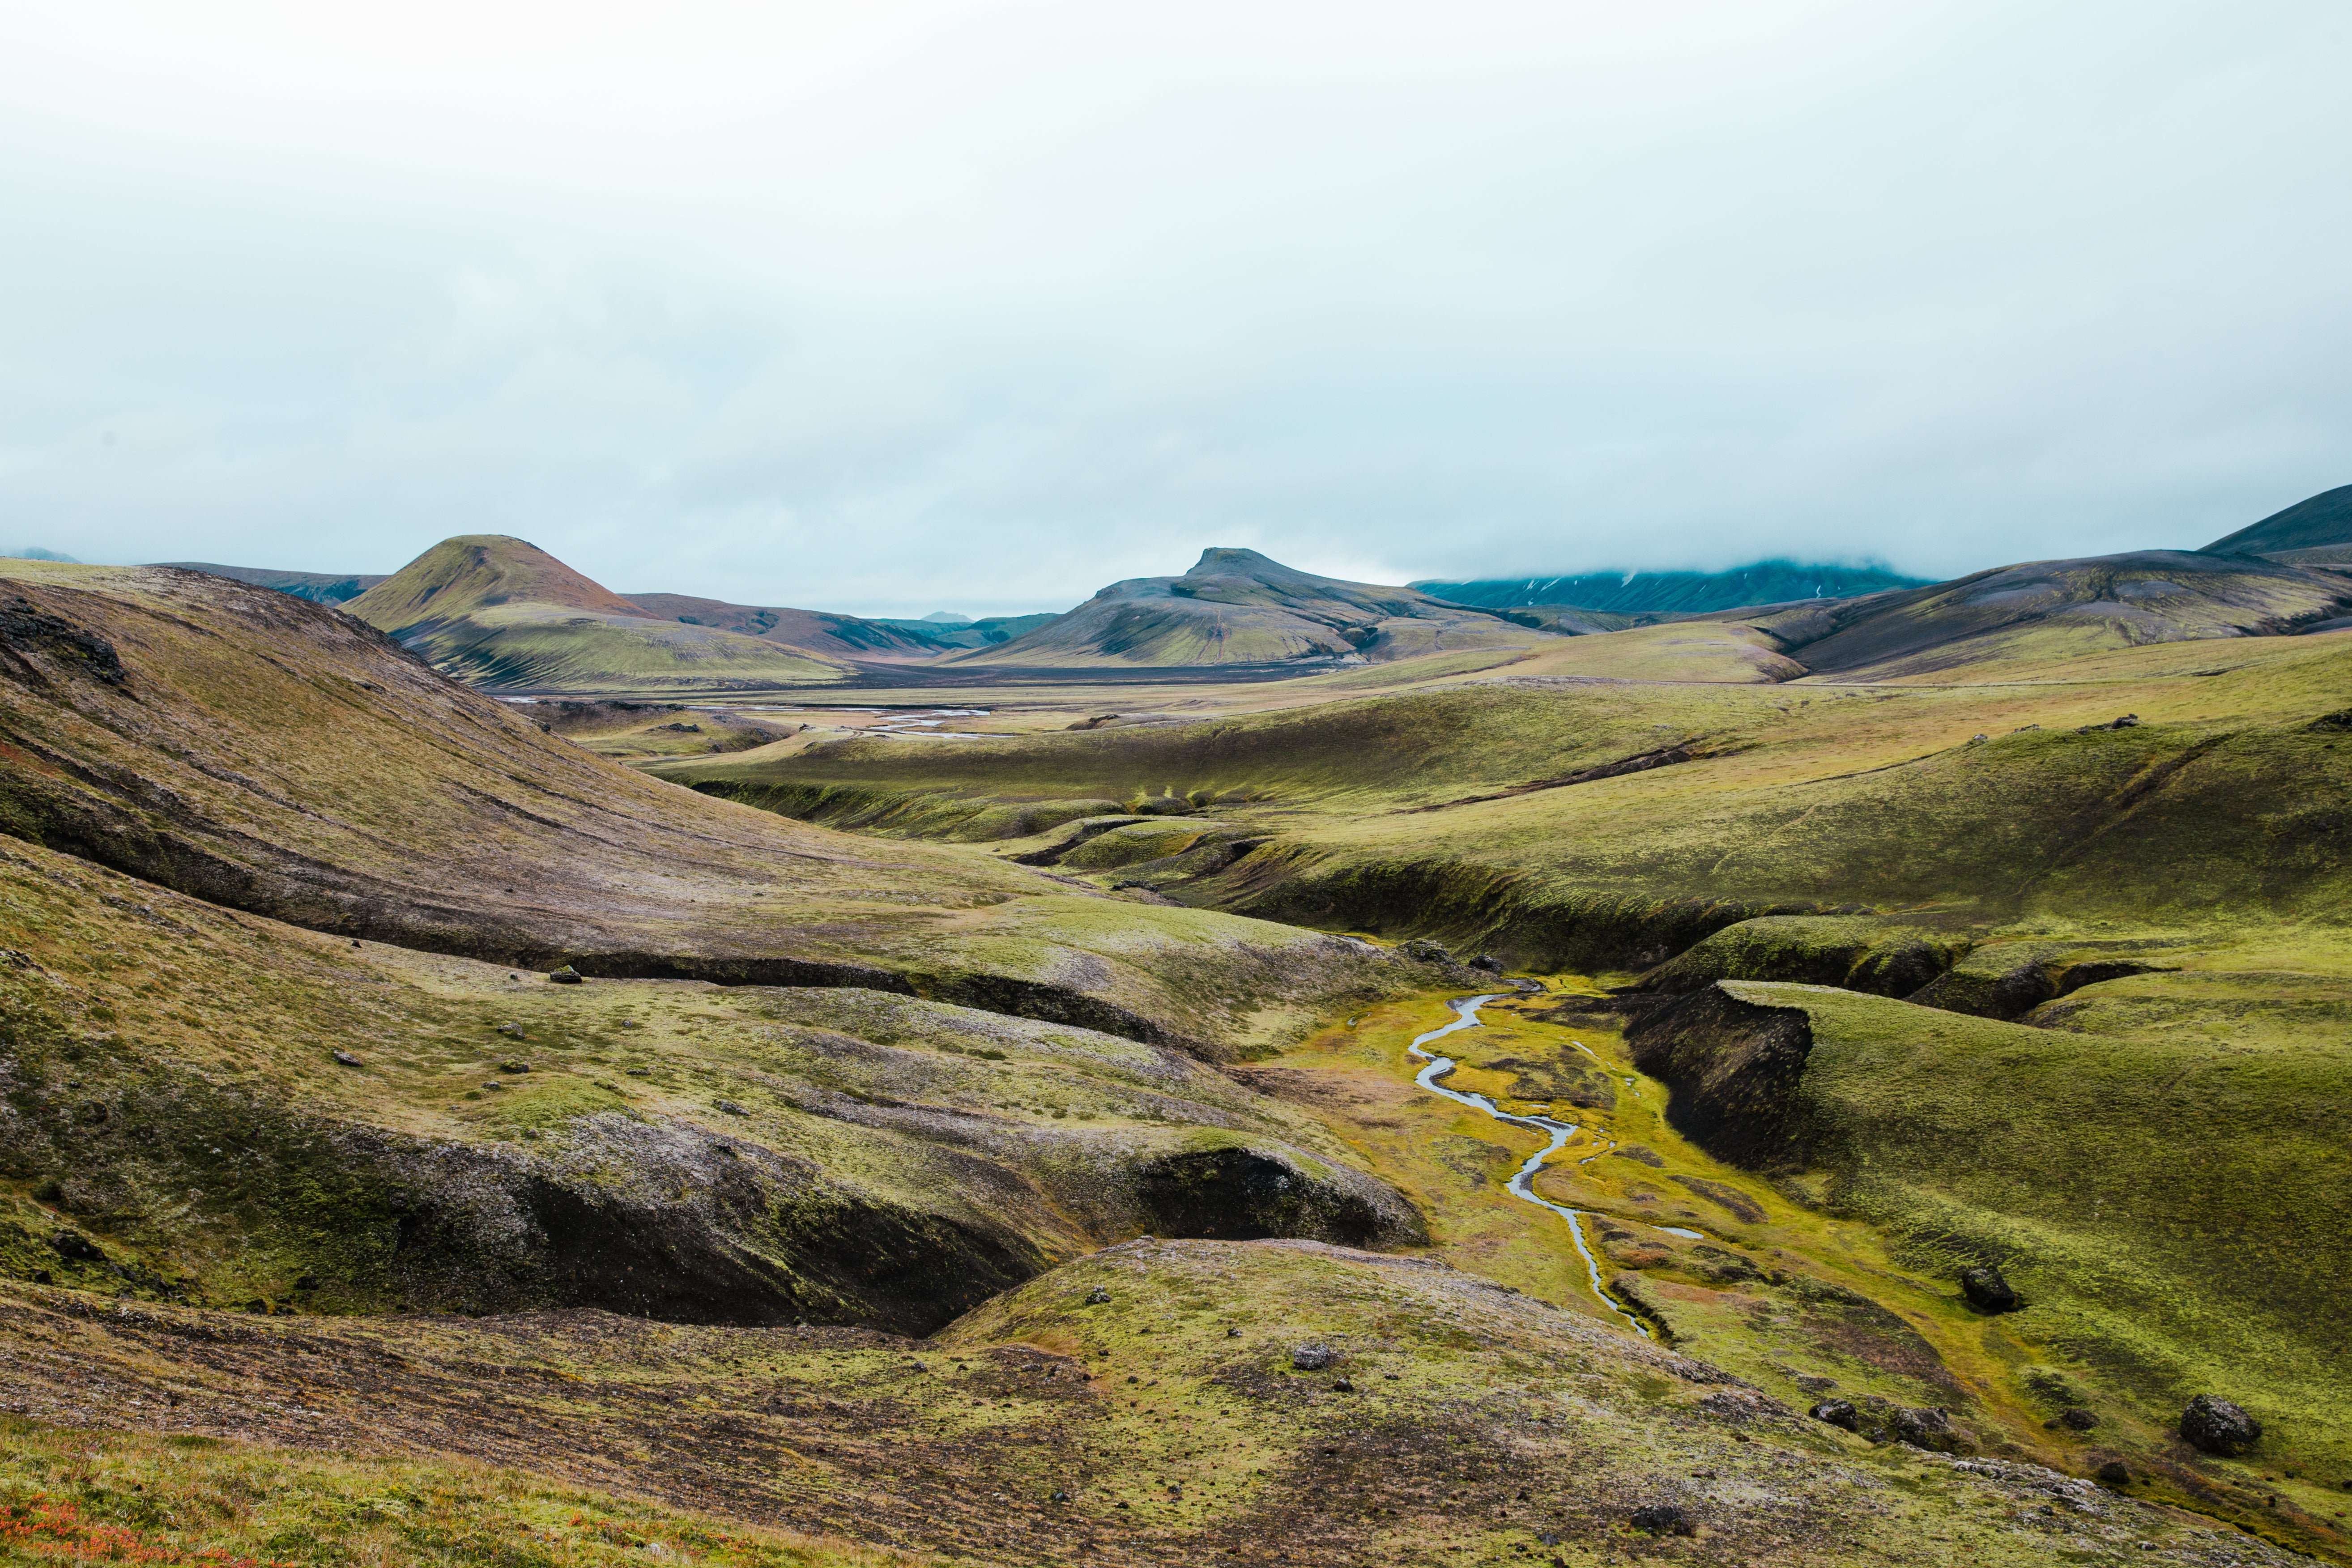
1466 1009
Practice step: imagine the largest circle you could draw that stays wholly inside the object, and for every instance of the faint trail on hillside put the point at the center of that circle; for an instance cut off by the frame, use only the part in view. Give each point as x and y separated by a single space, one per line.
1465 1010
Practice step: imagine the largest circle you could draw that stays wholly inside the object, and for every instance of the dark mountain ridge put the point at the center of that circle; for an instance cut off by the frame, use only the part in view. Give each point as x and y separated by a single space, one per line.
1674 593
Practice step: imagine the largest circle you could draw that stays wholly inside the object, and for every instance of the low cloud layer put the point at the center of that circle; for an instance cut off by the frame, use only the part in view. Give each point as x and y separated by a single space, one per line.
902 307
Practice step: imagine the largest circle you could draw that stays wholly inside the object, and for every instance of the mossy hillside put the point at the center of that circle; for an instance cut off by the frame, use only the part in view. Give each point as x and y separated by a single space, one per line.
181 1114
2158 824
1800 798
1855 952
2158 1187
1165 1421
139 1496
553 650
272 755
1218 985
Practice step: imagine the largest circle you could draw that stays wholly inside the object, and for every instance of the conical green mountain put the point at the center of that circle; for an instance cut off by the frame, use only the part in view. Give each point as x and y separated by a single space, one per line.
503 614
1236 606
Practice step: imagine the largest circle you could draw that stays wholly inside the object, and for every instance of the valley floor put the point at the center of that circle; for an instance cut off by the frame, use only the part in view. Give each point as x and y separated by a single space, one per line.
1149 1402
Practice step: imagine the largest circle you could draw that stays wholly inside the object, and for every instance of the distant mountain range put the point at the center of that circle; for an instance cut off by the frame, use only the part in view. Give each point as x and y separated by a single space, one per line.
320 587
1674 592
502 612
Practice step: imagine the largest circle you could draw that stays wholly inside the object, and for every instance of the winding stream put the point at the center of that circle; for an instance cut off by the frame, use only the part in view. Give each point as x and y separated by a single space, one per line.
1466 1009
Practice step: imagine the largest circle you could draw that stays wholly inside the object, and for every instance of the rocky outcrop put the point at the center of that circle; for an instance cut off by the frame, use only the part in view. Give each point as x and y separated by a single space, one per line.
1236 1193
1733 1070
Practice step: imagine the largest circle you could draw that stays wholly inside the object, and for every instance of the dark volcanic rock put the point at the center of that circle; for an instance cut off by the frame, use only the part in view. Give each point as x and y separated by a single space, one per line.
82 1249
1487 962
2114 1473
567 975
27 628
1837 1413
1988 1292
2216 1426
1311 1358
2078 1419
1422 951
1662 1519
1927 1428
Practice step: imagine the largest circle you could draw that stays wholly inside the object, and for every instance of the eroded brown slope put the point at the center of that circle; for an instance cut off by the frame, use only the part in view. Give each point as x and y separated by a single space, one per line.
274 755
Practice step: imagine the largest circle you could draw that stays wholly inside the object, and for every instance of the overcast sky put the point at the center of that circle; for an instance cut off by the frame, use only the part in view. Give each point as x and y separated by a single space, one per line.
978 306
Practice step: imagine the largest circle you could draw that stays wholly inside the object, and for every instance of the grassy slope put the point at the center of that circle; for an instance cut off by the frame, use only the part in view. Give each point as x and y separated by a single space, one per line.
173 1089
2150 1168
2221 804
271 756
76 1494
1164 1421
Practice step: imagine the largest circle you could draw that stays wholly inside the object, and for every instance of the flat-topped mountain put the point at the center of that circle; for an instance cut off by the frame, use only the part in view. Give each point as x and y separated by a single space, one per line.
1236 606
503 613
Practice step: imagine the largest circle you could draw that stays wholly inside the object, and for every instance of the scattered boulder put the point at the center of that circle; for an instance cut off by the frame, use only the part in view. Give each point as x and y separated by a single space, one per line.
1986 1292
730 1108
1311 1358
73 1244
1662 1519
2114 1473
2078 1419
2129 722
1927 1428
514 1066
1837 1413
511 1031
1488 962
567 975
1343 1385
346 1058
2214 1426
1097 1297
1421 950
